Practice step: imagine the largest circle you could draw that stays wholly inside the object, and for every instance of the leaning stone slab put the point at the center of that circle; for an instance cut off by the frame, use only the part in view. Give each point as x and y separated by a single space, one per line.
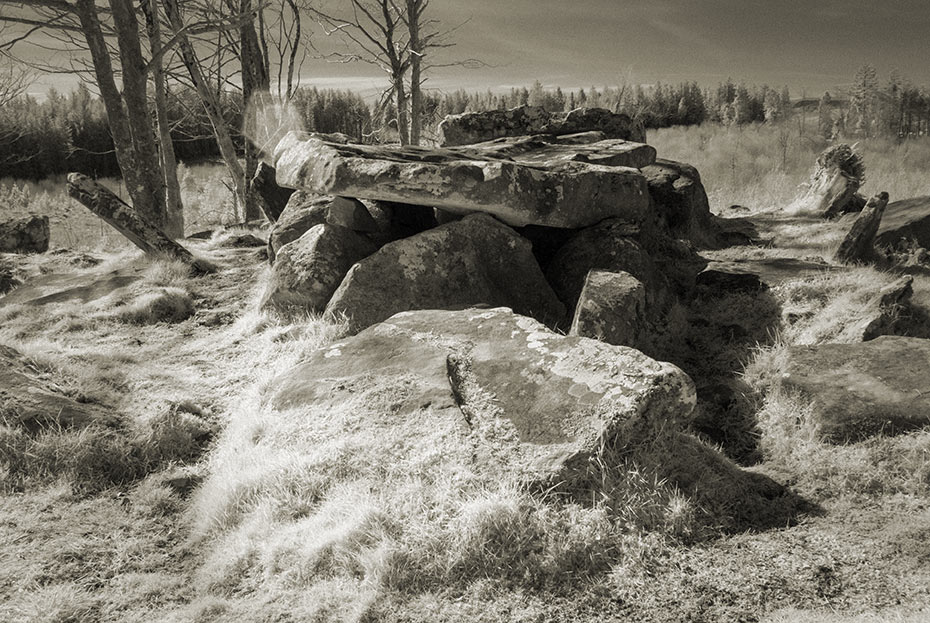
568 194
492 393
612 308
863 390
474 261
859 243
478 127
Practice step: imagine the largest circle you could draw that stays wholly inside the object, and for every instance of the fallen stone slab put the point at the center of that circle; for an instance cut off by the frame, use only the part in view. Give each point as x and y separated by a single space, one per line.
611 308
863 390
567 194
477 260
775 270
64 287
494 393
309 269
905 223
28 234
478 127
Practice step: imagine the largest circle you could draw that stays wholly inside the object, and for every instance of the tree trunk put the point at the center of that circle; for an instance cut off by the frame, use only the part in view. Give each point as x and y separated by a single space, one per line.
416 58
140 232
149 179
401 98
255 84
211 105
859 244
137 171
174 223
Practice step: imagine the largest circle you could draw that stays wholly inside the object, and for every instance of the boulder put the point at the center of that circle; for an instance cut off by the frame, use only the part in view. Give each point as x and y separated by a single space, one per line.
611 308
272 198
680 200
859 243
564 194
24 235
305 210
237 241
31 401
309 269
608 246
863 390
476 260
478 127
905 223
493 392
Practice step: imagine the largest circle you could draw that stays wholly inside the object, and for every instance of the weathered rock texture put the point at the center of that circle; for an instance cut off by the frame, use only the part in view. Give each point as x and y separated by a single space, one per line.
607 246
611 308
477 260
859 243
31 401
478 127
272 197
509 396
906 223
836 178
24 235
863 390
305 210
680 200
542 150
884 313
564 194
309 269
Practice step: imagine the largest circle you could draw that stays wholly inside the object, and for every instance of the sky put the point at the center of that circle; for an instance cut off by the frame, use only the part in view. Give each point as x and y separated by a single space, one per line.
808 45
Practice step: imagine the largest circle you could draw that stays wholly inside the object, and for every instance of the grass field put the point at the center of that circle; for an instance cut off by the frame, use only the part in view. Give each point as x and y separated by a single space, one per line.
203 505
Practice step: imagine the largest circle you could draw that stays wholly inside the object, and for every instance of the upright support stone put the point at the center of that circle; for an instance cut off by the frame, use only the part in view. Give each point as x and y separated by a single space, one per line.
123 218
273 198
859 244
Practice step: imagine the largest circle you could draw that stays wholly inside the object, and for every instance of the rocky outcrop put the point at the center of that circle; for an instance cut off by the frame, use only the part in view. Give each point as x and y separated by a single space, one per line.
564 194
24 235
611 308
859 243
680 201
305 210
863 390
478 127
494 390
31 401
905 224
309 269
474 261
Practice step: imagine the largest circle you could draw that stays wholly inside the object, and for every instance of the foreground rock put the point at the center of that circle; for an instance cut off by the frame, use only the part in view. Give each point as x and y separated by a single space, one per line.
305 210
497 391
888 309
478 127
863 390
309 269
474 261
906 224
562 194
30 401
611 308
24 235
859 243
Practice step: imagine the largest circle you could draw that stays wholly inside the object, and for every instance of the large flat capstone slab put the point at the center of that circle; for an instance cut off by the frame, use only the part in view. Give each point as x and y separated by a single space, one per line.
525 400
558 191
